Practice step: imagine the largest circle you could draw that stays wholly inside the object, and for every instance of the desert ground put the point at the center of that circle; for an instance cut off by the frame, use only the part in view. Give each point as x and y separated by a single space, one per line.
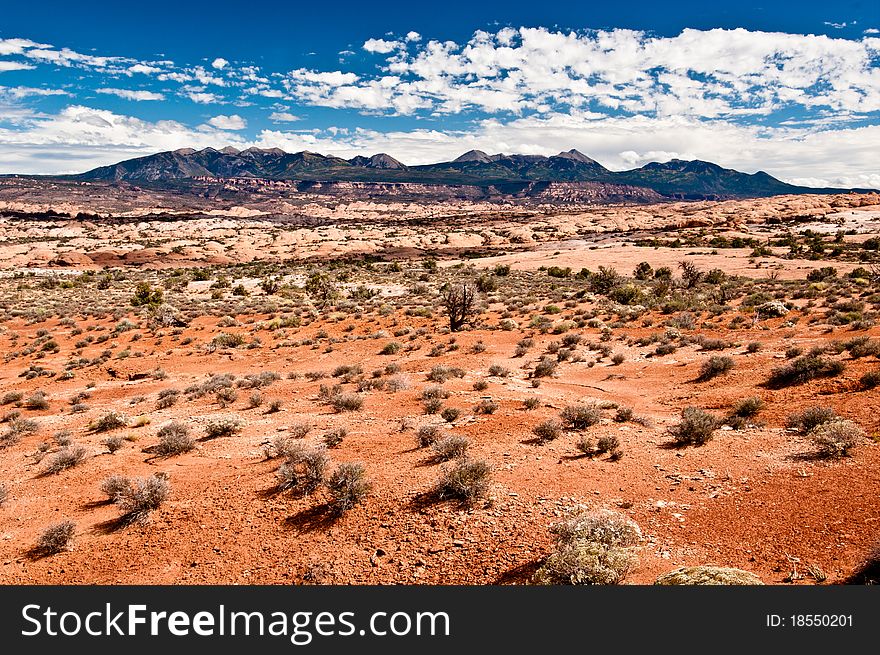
217 346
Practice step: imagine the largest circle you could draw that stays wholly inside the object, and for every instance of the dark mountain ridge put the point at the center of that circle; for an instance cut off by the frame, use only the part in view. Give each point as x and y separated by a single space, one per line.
674 179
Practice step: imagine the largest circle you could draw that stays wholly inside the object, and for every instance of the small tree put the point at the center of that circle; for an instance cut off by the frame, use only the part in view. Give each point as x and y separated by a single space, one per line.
690 274
147 296
321 288
459 301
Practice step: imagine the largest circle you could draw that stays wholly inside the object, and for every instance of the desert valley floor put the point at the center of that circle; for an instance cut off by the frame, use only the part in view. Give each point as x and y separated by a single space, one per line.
249 322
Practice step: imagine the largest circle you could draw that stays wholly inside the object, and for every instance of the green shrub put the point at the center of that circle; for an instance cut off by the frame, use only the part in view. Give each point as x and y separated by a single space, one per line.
807 419
547 430
803 369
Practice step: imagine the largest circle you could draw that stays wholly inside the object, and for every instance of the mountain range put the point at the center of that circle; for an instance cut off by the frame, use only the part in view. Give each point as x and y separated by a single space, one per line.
673 179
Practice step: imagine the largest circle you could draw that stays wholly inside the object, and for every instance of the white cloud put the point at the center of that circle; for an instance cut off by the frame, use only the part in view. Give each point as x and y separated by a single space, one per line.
145 69
413 36
15 66
381 46
219 63
200 97
18 92
283 117
233 122
130 94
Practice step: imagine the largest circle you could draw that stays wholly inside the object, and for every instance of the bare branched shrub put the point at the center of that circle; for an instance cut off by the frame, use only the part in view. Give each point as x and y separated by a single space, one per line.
113 444
459 301
347 402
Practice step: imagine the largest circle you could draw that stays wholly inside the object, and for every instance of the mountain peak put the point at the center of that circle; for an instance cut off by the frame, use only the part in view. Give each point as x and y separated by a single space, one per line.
229 150
384 161
576 155
473 155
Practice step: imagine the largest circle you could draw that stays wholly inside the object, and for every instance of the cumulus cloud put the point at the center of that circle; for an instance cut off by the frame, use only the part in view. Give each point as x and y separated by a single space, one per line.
381 46
233 122
219 63
131 94
18 92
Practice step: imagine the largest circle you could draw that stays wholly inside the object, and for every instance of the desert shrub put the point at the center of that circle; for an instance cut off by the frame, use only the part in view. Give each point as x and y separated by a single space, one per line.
348 486
142 497
870 380
547 430
226 396
466 481
304 469
225 427
4 494
451 447
480 385
167 398
347 402
110 421
274 406
793 351
66 458
227 340
497 370
115 487
255 400
434 392
809 418
608 443
863 347
450 414
665 349
643 271
114 443
432 405
347 371
803 369
545 367
174 439
427 435
593 548
334 437
715 366
486 406
618 358
754 347
391 348
580 417
624 414
531 403
11 397
708 575
585 446
442 373
18 428
836 439
36 401
55 538
695 428
748 407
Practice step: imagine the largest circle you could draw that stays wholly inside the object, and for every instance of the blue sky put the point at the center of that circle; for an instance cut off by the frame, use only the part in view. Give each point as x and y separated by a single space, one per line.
790 88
